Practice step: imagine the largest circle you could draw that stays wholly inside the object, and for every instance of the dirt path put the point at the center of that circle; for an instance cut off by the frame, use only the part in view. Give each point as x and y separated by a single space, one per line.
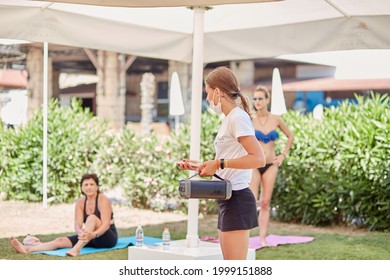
19 218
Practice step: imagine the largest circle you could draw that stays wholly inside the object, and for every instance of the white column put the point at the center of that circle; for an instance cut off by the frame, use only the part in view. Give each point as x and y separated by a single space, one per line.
148 89
34 63
245 71
110 99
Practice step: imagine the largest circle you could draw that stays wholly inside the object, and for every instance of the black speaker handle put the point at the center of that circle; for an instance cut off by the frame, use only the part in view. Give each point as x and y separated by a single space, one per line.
215 175
218 177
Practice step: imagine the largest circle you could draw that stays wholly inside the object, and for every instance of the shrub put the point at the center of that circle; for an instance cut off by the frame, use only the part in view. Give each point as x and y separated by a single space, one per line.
338 168
144 166
74 137
21 162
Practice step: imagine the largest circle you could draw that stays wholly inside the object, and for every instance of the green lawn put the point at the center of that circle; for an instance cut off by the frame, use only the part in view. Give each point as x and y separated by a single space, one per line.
330 243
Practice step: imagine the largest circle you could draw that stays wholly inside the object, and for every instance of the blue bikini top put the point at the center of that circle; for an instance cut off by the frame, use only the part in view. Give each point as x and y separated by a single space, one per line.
270 136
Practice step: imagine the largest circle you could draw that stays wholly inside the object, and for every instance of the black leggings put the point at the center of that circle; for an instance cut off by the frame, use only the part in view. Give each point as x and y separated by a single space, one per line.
107 240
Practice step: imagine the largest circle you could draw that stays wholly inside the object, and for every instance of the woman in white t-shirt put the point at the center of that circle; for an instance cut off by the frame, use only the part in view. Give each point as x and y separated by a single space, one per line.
237 153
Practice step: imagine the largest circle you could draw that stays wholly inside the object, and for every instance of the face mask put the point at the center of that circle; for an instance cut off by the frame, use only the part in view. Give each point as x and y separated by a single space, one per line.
216 108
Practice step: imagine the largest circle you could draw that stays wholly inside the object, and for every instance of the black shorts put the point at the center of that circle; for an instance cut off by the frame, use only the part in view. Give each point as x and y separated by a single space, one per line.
239 212
107 240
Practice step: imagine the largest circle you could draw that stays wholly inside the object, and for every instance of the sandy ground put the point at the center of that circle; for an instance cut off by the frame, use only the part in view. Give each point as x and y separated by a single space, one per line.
19 218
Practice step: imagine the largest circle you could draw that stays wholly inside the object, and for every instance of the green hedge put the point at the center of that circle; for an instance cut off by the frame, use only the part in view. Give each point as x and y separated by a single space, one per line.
74 137
337 170
144 166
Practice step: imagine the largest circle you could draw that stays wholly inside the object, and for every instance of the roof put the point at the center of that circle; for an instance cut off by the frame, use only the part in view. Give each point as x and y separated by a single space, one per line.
84 88
330 84
10 78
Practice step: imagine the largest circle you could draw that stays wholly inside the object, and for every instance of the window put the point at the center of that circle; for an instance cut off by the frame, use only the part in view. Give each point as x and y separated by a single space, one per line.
162 101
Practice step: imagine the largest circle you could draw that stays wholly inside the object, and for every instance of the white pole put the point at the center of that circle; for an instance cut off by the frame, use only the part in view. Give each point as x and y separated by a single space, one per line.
45 82
177 124
196 110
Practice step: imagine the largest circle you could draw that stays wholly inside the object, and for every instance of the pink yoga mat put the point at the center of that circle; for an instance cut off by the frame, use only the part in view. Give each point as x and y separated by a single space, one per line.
272 239
275 240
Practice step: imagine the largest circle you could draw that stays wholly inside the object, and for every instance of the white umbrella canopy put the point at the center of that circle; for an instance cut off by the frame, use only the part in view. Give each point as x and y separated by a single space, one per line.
106 28
158 3
278 105
164 32
231 32
296 26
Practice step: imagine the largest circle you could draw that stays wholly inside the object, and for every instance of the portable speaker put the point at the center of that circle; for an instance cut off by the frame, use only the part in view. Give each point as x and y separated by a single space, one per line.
209 189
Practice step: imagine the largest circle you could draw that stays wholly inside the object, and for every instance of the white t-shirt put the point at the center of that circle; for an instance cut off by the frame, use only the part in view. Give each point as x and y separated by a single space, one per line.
237 123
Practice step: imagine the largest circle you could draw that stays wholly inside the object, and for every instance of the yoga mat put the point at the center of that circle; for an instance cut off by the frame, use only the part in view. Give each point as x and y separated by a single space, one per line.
275 240
123 242
272 239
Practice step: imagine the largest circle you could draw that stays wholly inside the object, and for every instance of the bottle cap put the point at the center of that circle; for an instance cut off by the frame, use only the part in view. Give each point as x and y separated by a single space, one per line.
166 228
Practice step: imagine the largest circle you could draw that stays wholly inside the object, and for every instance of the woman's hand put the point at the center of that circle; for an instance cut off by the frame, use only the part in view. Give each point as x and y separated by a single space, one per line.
188 164
208 168
278 160
85 235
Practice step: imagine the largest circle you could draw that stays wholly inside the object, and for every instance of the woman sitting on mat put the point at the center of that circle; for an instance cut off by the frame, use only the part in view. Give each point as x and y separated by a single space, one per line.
265 125
94 223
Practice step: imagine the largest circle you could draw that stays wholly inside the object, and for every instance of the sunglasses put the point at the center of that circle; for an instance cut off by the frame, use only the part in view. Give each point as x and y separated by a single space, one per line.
258 98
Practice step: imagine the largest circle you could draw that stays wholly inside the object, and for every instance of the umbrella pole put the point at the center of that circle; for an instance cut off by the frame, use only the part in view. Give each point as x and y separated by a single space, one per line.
177 124
196 110
45 89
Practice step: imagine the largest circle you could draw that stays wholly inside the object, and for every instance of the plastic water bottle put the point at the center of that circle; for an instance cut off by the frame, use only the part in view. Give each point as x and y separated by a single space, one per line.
139 237
166 237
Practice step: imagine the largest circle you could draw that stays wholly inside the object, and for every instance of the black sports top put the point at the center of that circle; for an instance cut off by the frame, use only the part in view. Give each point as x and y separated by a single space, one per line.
96 212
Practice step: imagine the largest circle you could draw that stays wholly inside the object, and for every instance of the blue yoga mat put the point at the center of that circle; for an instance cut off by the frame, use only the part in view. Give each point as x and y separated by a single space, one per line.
123 242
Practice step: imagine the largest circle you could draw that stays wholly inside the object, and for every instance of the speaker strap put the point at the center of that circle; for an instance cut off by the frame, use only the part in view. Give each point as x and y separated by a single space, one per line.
215 175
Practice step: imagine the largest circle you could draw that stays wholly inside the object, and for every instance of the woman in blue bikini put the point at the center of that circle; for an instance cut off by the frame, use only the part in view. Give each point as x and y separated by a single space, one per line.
265 125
